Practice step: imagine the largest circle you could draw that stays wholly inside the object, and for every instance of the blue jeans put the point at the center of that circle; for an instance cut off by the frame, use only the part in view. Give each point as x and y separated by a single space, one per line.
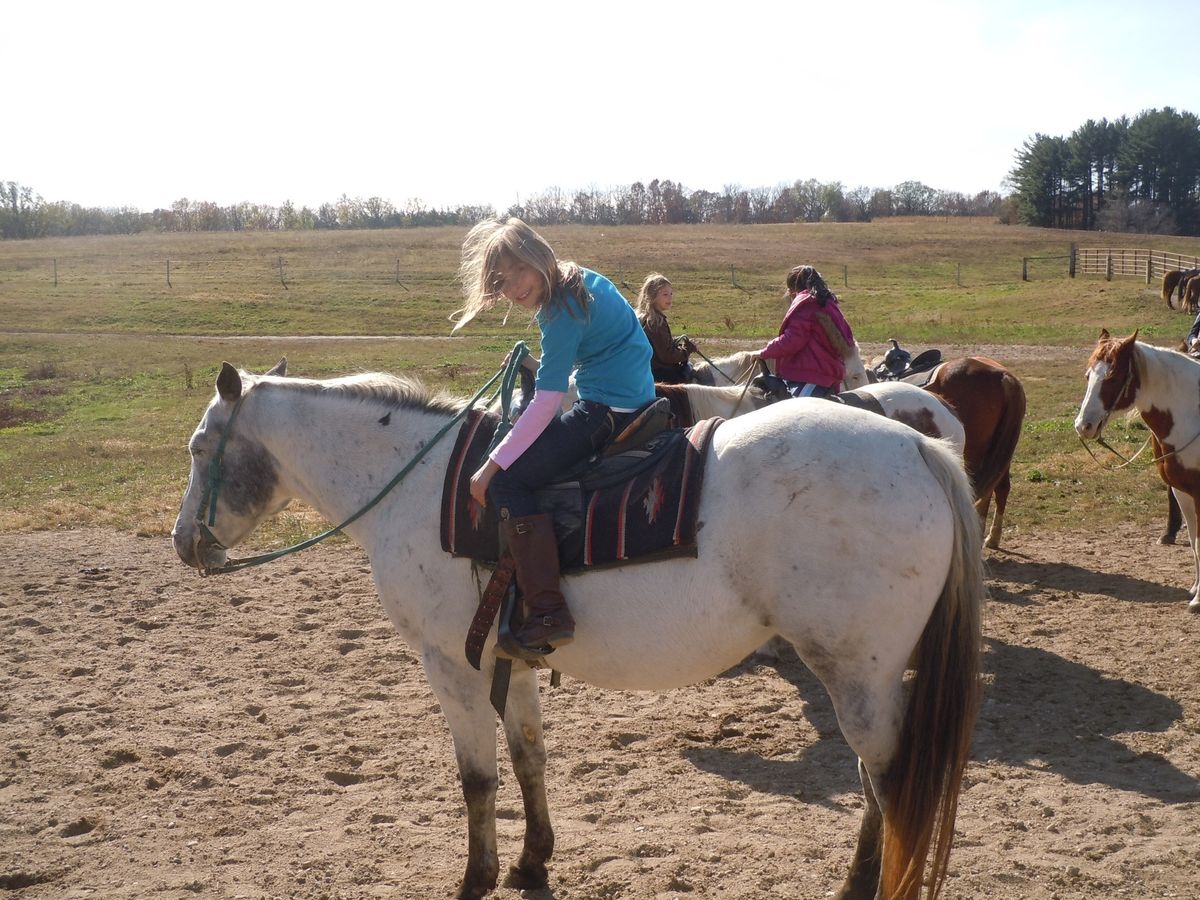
569 439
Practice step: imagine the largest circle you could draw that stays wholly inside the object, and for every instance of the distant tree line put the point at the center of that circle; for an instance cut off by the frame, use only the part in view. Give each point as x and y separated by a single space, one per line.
1141 175
24 214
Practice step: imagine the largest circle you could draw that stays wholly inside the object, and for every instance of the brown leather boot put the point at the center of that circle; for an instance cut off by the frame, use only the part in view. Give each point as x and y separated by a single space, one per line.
532 543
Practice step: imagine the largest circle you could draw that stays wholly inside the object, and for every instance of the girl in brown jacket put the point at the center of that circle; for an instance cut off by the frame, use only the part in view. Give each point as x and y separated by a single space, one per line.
670 361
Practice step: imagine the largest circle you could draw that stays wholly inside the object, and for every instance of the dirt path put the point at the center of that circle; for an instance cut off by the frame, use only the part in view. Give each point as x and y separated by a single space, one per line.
268 735
1002 352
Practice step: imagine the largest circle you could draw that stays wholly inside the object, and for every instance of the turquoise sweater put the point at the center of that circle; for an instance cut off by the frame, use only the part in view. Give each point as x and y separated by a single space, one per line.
608 350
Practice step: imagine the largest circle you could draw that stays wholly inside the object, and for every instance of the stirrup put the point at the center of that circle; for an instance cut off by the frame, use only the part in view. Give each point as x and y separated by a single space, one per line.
508 645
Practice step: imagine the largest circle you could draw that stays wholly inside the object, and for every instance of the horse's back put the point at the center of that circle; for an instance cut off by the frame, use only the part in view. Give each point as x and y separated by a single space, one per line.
789 542
919 409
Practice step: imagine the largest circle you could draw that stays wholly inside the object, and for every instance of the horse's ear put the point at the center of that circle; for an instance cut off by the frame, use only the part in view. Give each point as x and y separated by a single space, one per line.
1104 335
280 368
229 383
1129 340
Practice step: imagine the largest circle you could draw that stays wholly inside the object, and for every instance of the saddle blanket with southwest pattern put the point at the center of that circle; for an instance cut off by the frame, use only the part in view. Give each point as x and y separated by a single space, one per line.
638 506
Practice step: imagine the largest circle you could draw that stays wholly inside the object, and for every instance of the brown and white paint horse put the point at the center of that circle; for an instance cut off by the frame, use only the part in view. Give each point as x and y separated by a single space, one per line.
1164 387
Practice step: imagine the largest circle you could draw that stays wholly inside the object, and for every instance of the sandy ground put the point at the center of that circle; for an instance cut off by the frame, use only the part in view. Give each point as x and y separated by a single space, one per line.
268 735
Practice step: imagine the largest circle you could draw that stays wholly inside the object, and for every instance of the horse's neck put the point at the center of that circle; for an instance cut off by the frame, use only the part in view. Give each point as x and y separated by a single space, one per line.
337 454
1168 381
734 366
856 370
725 401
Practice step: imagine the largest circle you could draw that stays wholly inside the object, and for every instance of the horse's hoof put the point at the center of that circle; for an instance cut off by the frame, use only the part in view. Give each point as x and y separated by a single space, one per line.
532 877
1167 539
1194 605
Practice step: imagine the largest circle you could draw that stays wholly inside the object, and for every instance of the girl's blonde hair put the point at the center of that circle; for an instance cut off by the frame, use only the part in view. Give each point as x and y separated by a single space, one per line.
654 283
496 241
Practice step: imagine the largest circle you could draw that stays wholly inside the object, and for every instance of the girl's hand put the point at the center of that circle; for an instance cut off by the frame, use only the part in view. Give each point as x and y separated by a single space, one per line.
530 362
480 481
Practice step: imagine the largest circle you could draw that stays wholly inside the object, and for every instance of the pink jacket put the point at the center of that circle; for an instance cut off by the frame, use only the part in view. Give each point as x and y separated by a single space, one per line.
803 349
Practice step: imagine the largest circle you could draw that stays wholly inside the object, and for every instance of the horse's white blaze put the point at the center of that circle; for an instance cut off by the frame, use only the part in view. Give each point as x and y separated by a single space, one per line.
1092 415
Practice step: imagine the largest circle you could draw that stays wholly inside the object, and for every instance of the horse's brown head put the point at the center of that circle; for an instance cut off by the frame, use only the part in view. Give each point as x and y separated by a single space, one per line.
1122 379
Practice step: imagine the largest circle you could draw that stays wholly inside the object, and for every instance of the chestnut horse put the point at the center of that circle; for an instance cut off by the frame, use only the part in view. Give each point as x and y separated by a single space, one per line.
1164 387
1191 294
990 402
1177 280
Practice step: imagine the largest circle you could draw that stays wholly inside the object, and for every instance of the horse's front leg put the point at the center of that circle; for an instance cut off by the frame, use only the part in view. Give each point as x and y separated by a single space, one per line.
1187 505
523 731
463 694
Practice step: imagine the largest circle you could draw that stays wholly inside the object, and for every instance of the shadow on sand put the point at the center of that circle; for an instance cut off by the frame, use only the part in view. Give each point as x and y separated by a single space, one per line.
1042 712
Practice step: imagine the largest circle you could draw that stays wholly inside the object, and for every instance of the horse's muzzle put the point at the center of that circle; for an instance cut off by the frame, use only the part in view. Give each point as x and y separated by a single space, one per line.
195 551
1088 427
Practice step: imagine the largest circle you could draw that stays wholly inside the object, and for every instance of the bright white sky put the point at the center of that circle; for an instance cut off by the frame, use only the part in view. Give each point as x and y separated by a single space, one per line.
456 101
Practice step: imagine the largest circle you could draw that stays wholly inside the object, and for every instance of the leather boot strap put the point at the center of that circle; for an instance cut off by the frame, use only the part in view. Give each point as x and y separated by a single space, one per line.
489 605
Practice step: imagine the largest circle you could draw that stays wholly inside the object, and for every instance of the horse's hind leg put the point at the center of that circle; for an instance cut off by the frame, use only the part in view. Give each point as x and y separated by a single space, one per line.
863 880
982 505
869 714
1174 519
523 731
1003 486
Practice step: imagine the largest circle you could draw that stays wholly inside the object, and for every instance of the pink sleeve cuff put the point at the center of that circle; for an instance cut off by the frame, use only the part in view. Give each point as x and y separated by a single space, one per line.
544 406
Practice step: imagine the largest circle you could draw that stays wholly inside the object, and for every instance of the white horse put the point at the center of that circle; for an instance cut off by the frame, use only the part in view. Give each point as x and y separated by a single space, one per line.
725 370
781 552
905 403
1164 386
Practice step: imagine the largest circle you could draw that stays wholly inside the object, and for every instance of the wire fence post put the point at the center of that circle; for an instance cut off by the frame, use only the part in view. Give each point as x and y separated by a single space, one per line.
845 276
1024 268
281 281
1108 266
56 271
1071 264
168 272
958 275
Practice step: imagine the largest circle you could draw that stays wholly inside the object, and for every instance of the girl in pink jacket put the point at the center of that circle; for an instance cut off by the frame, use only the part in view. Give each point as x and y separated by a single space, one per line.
813 338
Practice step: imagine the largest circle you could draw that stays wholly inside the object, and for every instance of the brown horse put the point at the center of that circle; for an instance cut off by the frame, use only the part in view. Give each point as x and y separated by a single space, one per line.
1176 280
990 402
1191 293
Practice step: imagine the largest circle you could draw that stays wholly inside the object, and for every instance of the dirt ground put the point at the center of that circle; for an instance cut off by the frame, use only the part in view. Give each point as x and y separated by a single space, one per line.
266 734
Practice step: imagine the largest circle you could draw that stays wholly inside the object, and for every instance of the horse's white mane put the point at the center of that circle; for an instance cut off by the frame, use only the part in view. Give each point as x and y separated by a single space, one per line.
378 387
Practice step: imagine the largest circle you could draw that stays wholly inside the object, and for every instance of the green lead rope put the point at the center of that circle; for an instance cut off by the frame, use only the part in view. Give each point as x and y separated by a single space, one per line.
507 376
